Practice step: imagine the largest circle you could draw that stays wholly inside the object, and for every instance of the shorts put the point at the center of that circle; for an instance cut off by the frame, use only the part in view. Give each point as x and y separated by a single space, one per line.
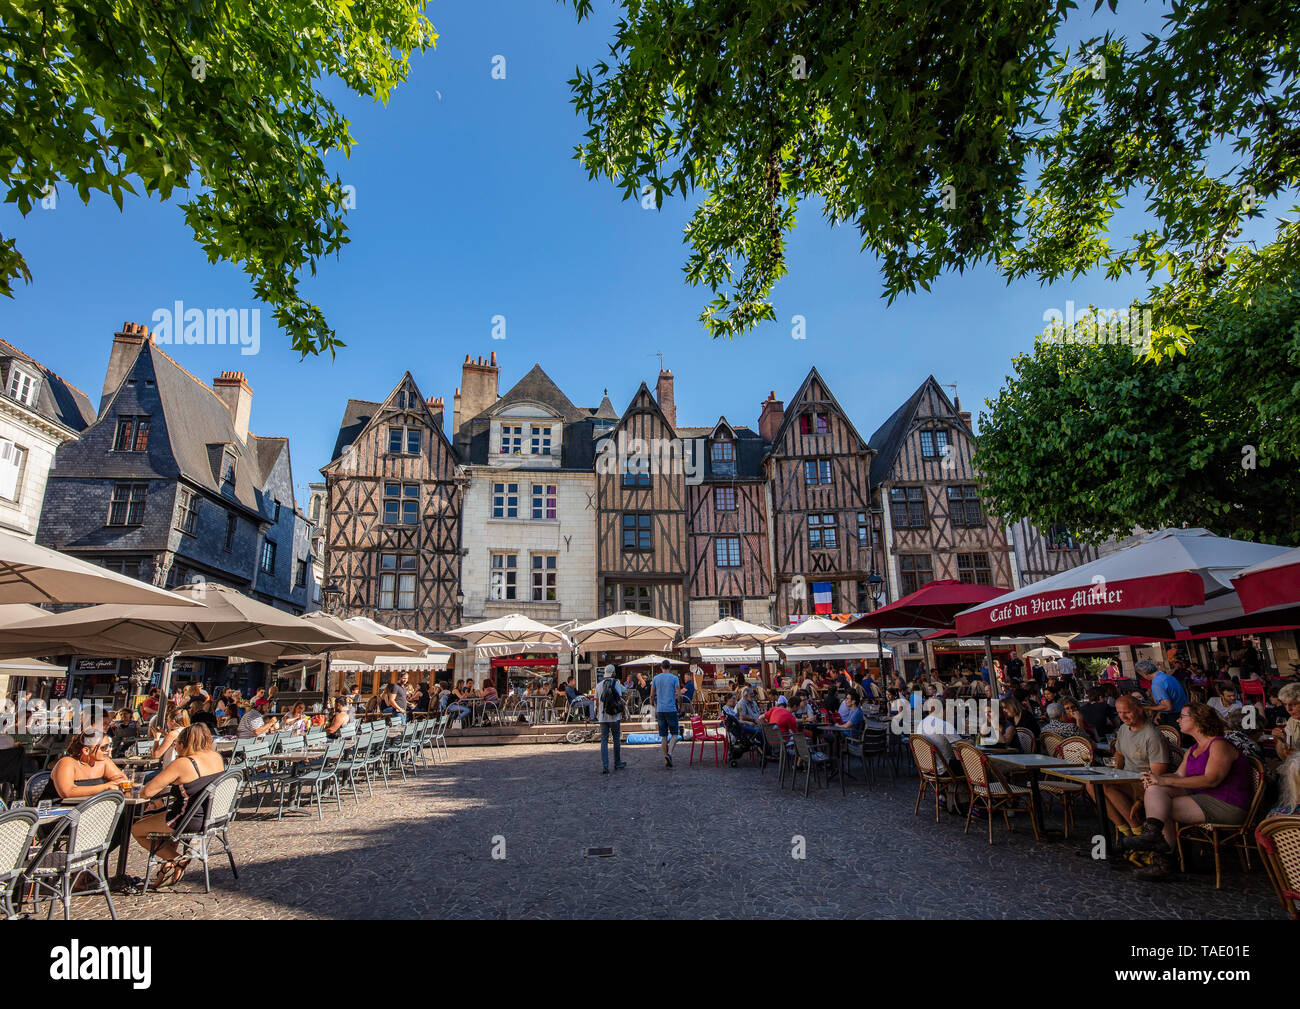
1218 811
668 724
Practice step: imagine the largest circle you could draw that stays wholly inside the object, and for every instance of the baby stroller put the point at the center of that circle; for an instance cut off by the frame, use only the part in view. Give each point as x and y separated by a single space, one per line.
739 741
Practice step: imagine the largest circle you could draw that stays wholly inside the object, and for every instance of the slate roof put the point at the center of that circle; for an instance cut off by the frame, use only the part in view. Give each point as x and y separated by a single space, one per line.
750 449
577 449
889 437
56 400
356 415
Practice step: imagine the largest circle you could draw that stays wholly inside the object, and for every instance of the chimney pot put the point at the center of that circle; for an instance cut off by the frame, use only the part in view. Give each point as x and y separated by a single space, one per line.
664 396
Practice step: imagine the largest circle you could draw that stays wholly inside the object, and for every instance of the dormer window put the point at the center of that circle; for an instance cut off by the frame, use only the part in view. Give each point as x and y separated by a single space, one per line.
539 440
228 466
131 434
934 444
406 440
723 451
512 439
815 422
23 385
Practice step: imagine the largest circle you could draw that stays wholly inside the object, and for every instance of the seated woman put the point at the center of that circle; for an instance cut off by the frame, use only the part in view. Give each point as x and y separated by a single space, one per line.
1212 785
197 767
1074 716
296 723
85 770
1016 716
1287 737
164 743
342 715
1288 778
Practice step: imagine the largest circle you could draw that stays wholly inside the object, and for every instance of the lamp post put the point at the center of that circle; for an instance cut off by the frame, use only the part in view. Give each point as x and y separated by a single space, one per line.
331 594
876 589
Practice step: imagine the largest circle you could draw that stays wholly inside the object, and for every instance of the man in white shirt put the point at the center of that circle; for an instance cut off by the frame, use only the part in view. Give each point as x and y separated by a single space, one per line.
1225 702
1065 666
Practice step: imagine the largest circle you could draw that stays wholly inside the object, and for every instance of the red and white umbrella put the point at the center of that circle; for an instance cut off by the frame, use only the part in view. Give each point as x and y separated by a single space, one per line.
1271 583
1166 583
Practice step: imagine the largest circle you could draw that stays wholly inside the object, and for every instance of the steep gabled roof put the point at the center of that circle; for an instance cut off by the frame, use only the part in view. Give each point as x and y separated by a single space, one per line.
360 414
796 405
606 409
889 437
56 400
535 387
643 391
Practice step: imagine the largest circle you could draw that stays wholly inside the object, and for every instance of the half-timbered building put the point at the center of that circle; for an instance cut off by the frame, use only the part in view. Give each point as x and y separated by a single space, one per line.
922 477
818 480
727 526
1040 553
641 471
394 492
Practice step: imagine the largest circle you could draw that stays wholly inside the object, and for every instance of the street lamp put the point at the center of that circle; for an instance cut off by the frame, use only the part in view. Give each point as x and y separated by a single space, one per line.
332 594
460 604
876 589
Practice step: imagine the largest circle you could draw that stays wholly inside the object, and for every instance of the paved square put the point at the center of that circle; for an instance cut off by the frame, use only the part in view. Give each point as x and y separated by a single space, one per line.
691 842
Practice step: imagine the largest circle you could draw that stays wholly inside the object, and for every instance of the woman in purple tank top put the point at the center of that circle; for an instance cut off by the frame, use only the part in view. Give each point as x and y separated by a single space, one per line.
1212 785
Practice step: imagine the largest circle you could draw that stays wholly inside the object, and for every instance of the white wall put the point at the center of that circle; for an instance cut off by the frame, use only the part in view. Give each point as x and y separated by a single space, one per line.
23 516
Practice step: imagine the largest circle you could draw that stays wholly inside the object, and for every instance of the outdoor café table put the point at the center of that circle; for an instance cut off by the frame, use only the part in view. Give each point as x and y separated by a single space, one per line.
1098 778
1032 762
133 805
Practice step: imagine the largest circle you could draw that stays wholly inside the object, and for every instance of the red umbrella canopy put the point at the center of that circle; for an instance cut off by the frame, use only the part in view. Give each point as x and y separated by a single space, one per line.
934 605
1274 582
1170 581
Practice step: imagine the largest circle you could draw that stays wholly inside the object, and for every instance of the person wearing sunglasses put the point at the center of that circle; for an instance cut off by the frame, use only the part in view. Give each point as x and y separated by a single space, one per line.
86 769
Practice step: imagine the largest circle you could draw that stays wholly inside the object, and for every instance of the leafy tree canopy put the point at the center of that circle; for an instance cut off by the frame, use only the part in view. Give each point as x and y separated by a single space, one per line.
223 98
954 134
1100 439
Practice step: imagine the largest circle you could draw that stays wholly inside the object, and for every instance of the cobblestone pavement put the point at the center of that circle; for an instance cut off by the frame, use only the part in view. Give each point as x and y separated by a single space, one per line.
702 841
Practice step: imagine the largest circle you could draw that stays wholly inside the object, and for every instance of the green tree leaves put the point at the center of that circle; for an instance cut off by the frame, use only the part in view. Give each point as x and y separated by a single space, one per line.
1101 439
955 134
223 98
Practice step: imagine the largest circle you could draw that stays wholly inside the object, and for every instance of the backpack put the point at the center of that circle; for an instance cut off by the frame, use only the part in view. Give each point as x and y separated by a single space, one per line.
611 700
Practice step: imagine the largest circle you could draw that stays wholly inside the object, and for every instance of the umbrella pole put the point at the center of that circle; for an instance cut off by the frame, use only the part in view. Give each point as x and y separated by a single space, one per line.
325 682
995 684
165 677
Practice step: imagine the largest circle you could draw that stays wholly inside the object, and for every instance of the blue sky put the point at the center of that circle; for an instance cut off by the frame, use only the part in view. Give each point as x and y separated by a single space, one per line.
469 205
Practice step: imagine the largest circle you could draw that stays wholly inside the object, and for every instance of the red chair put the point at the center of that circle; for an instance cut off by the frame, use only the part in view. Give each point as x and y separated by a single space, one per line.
701 735
1253 688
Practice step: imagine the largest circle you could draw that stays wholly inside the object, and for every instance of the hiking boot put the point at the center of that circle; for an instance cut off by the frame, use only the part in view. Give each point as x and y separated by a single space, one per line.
1161 867
1152 838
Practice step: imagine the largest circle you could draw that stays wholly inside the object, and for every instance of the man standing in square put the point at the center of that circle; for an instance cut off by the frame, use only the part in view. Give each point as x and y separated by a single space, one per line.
663 695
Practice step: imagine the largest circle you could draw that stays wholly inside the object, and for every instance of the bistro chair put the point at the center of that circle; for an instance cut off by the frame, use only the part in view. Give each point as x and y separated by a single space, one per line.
439 736
1050 741
206 820
35 787
1028 744
933 771
701 735
872 748
1077 750
1216 835
353 763
319 777
90 829
1278 838
988 787
774 748
1171 733
815 761
17 828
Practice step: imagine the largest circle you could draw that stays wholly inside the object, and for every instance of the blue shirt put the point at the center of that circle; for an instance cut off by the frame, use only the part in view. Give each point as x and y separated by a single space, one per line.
1165 687
665 688
690 690
856 722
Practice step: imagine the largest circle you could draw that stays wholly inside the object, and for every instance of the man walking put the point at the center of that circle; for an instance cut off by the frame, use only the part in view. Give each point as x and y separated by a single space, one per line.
663 695
609 713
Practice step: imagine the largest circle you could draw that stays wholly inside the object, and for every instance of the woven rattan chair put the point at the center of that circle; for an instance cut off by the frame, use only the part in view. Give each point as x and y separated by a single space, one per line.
1078 750
1216 835
932 770
1049 741
988 787
209 814
1172 733
90 831
1278 838
1028 742
17 828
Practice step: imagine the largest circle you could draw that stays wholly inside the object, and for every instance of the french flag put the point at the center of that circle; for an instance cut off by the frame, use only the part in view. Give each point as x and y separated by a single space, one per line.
821 592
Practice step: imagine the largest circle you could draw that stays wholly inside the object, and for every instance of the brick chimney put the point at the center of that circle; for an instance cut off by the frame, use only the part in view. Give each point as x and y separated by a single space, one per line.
769 419
963 414
126 348
436 408
233 389
478 388
664 396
